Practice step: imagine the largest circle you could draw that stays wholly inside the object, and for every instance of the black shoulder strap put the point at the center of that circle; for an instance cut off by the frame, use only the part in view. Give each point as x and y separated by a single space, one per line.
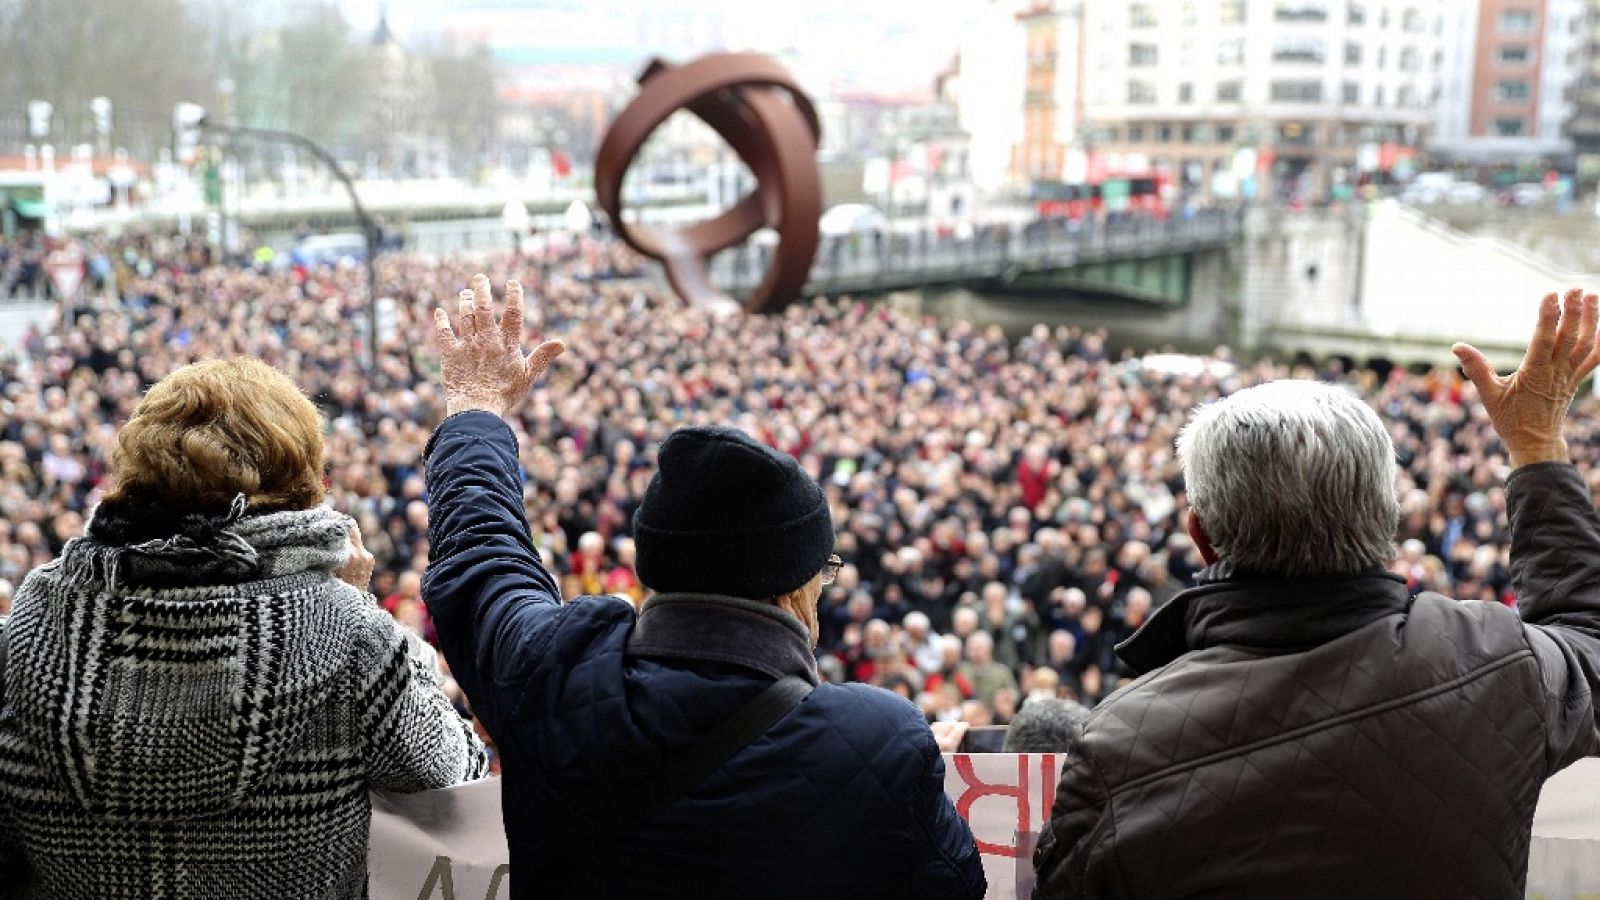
696 764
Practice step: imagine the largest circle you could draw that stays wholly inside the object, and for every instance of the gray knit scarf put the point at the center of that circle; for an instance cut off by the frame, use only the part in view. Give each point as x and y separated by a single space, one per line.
142 546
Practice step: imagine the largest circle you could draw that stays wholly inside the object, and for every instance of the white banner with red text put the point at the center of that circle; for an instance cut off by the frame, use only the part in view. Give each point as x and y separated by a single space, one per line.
450 845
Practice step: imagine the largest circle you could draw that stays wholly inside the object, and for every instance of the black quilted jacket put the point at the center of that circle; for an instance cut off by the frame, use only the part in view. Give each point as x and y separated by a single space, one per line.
1337 737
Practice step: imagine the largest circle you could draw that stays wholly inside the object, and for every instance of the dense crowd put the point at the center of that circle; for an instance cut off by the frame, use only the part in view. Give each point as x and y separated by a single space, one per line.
1007 509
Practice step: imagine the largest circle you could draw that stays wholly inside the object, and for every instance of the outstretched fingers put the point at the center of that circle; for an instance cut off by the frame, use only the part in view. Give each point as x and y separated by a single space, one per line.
1479 371
482 306
1567 331
511 322
542 357
1588 319
442 330
1543 344
465 320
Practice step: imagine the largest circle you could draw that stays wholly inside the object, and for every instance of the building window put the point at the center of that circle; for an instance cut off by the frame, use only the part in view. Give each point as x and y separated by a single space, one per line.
1186 92
1297 49
1231 12
1411 19
1506 126
1135 134
1224 134
1191 14
1300 11
1140 55
1141 92
1296 133
1112 135
1410 59
1230 52
1517 21
1140 15
1193 134
1355 14
1512 90
1408 97
1514 55
1163 134
1296 91
1229 91
1352 53
1377 97
1383 57
1351 92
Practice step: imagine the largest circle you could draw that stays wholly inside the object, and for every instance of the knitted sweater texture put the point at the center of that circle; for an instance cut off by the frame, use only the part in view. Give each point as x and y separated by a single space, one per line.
196 708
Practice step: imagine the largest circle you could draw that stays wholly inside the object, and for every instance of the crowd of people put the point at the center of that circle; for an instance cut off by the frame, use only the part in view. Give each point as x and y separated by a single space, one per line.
1008 508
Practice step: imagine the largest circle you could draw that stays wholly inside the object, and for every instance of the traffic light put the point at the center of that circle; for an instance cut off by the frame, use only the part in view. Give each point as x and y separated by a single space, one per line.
186 121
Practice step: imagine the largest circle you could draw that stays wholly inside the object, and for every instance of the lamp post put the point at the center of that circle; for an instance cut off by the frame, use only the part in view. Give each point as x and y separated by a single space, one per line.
369 230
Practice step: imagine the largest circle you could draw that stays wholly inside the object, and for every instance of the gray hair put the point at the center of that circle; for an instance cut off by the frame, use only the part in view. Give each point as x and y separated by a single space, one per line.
1044 725
1292 478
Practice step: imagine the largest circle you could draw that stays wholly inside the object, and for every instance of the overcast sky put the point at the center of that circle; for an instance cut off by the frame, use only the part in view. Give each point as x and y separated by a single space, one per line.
890 44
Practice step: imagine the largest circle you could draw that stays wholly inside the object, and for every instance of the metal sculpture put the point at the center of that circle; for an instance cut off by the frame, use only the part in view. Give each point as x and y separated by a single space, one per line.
742 97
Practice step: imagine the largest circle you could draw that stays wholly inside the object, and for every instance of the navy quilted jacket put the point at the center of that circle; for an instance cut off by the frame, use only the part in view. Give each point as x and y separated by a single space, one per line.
842 798
1336 737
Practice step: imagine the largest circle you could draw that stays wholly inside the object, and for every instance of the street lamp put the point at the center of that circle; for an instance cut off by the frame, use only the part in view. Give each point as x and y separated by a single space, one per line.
369 229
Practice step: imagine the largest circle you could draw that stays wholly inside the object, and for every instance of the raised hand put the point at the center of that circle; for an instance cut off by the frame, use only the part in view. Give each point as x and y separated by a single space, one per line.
1527 407
483 364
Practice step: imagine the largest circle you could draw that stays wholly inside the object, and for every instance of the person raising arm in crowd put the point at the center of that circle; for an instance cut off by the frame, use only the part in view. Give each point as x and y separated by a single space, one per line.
1304 726
588 703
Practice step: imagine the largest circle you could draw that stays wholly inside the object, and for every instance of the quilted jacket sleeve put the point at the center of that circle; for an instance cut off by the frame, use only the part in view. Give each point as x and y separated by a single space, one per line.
948 865
493 604
1061 861
1555 570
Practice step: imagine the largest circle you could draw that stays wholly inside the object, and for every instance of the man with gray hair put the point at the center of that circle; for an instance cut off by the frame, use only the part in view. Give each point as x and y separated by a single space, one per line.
1303 725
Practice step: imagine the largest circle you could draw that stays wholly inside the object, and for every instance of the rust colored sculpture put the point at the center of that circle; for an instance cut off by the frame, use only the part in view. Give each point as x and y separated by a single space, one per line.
741 96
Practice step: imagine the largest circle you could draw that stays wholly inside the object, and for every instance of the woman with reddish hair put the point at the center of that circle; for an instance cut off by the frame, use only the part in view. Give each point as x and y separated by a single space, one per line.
200 689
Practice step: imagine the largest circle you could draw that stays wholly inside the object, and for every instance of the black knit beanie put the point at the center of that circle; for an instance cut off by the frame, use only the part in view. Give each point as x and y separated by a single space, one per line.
727 515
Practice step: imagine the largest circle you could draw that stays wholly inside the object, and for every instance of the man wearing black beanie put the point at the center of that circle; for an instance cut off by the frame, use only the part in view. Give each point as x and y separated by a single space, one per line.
688 750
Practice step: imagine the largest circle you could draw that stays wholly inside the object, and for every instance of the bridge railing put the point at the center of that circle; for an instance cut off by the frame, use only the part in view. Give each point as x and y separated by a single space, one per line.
878 260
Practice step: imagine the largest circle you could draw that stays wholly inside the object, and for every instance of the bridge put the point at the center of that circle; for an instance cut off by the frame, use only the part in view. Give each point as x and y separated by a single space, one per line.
1140 259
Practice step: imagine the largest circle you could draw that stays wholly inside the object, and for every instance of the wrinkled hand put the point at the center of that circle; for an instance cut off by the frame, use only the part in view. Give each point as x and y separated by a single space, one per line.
1528 406
484 367
357 570
948 735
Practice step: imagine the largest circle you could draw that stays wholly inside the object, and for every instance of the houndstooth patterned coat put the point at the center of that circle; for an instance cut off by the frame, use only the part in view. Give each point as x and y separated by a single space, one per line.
197 708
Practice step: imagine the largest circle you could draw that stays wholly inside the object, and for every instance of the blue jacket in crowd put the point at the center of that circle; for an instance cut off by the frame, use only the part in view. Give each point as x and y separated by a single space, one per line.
587 701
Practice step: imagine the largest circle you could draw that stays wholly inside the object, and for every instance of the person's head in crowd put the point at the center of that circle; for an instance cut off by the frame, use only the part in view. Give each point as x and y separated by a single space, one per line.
1074 601
409 586
877 636
977 715
213 432
1091 620
830 669
1318 495
727 515
1042 682
1044 725
917 626
994 598
964 621
7 590
980 649
1093 682
950 648
1005 705
1138 608
860 607
1062 647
